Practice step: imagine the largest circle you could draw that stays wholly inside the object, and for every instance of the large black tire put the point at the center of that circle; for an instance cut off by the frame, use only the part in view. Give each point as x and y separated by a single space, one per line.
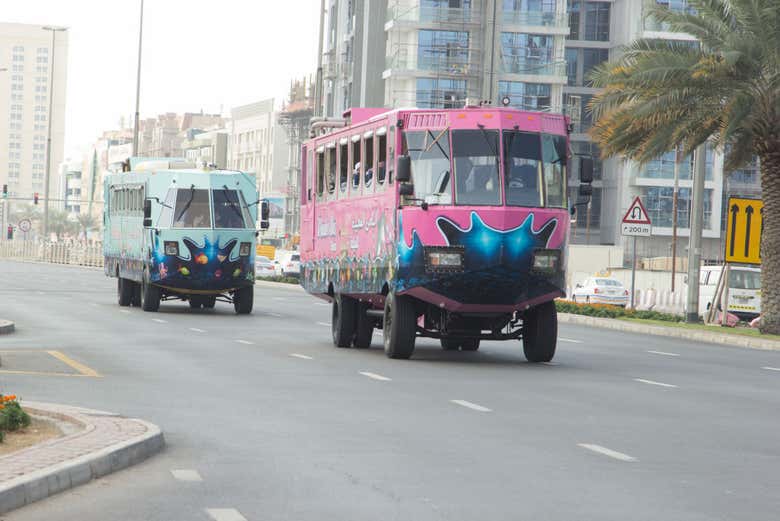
343 320
450 344
364 327
136 301
195 302
124 290
150 296
399 326
244 300
469 344
540 332
209 302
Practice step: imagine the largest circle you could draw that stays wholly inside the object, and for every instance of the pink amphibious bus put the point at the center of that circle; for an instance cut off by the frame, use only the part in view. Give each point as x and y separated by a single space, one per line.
449 224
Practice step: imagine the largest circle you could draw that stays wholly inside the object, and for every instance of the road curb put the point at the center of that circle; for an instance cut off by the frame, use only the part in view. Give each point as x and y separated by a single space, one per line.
671 332
7 327
44 482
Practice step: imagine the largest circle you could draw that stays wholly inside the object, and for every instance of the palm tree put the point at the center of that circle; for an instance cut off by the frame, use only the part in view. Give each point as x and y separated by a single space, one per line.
726 88
86 222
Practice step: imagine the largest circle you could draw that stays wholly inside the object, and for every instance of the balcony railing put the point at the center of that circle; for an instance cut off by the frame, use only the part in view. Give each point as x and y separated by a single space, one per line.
520 65
433 15
452 60
535 18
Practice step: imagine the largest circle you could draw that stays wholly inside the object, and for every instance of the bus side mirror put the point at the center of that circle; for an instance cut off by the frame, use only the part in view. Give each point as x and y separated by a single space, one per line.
404 171
586 190
265 213
586 170
406 189
147 213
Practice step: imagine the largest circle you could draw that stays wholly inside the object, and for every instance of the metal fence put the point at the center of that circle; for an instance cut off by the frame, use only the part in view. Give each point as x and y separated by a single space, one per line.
75 253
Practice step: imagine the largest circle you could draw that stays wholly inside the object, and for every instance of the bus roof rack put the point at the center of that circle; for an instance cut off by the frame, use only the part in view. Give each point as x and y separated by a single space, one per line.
143 164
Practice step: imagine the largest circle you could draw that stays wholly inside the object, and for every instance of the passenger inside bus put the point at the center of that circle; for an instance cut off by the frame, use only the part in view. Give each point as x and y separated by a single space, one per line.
380 172
356 175
523 185
369 177
192 209
481 187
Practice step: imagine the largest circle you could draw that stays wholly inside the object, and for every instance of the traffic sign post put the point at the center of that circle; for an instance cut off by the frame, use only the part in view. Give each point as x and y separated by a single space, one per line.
744 226
636 223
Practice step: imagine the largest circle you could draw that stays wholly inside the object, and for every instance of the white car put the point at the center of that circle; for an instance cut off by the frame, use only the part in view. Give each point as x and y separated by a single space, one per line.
291 264
744 290
264 267
601 290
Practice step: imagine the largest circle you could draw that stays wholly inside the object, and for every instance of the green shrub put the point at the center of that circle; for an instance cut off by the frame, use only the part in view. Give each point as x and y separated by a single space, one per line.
13 417
279 278
607 311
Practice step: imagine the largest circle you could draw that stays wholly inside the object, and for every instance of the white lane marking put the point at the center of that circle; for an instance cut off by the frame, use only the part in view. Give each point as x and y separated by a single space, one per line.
771 368
607 452
40 293
376 376
651 382
245 342
93 304
305 357
277 315
159 321
664 353
323 324
470 405
562 339
550 363
124 311
191 475
195 329
321 304
225 514
279 298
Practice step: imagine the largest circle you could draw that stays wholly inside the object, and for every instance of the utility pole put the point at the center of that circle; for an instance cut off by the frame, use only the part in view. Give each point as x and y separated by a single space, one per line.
694 243
675 196
138 82
54 31
318 87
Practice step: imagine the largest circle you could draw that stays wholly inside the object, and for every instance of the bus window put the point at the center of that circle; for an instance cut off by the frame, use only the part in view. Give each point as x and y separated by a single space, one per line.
475 154
167 210
381 162
356 156
227 209
522 155
305 160
343 165
391 156
430 155
192 209
330 167
320 172
554 159
368 158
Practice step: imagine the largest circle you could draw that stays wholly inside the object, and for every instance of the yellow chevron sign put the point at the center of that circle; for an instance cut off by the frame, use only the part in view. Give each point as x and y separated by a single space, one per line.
744 225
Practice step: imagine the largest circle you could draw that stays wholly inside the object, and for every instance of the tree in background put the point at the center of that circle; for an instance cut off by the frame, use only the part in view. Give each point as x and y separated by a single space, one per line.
86 222
61 225
662 93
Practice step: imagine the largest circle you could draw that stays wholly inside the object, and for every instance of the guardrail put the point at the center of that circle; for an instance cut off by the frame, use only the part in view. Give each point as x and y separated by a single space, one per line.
77 254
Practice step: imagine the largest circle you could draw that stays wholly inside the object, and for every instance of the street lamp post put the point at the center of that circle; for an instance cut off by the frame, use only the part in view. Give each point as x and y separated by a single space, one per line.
54 31
138 82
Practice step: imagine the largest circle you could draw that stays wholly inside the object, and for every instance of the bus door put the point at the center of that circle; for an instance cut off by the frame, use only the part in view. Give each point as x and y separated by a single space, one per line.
308 188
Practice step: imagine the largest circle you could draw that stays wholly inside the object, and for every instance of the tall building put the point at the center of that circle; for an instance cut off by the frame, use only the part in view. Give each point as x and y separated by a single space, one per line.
164 135
27 56
437 53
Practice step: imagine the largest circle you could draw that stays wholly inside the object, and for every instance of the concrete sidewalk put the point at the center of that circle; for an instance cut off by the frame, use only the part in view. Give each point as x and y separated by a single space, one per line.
714 337
104 443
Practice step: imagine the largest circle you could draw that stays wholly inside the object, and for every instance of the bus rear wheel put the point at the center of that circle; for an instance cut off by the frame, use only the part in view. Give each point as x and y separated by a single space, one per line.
540 332
195 302
343 321
150 296
209 302
243 300
399 326
364 327
124 290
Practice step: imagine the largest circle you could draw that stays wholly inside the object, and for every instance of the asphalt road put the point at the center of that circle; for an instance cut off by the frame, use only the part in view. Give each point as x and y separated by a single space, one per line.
280 425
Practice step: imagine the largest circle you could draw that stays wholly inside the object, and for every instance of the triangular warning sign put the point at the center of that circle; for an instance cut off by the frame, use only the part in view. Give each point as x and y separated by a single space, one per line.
636 213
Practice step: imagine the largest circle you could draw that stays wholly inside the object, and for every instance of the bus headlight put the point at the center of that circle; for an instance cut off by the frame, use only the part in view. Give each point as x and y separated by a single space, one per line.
244 249
546 260
172 248
443 259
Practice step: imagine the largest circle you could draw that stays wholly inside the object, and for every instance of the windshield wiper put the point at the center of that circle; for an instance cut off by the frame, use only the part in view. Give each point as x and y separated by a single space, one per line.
436 142
489 144
187 206
230 203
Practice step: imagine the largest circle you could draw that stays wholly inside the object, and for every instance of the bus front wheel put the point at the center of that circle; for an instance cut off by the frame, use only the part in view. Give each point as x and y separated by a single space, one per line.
399 326
150 296
343 320
540 332
243 300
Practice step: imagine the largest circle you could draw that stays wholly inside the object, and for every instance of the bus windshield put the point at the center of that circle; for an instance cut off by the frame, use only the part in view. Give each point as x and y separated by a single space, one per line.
192 209
230 210
522 167
430 154
476 161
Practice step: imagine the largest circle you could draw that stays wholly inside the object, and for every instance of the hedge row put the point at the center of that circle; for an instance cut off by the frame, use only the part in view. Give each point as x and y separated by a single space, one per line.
607 311
279 278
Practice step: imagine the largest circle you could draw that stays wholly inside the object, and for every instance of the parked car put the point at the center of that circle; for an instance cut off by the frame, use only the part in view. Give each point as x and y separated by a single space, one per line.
744 290
601 290
291 264
264 267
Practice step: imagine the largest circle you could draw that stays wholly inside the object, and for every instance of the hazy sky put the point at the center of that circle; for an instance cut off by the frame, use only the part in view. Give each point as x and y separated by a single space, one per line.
198 54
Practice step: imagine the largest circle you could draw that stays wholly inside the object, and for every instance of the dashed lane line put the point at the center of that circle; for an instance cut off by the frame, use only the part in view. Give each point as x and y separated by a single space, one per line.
771 368
196 330
571 340
276 315
159 321
607 452
652 382
225 514
245 342
124 311
323 324
190 475
663 353
304 357
375 376
470 405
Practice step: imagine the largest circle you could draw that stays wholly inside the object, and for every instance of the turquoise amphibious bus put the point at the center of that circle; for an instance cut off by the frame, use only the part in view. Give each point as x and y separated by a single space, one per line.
181 234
